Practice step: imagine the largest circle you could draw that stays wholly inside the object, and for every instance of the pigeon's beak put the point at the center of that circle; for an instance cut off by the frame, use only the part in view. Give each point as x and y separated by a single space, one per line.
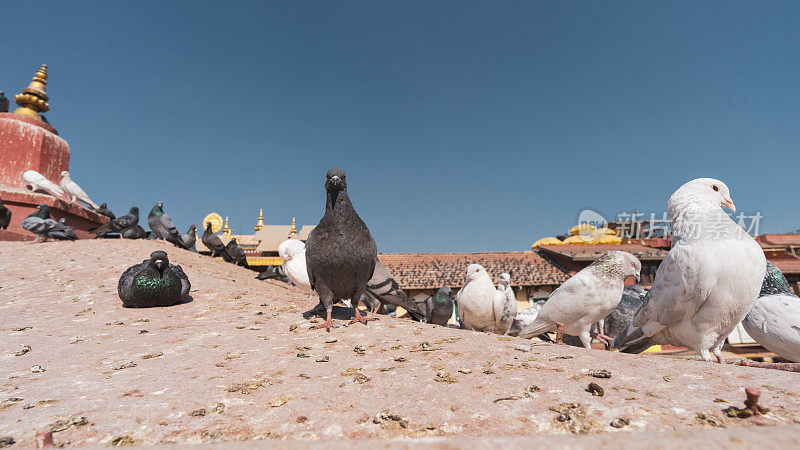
728 203
336 181
160 265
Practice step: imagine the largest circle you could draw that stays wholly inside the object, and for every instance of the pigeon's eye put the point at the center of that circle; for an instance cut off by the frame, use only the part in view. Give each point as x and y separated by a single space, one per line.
715 188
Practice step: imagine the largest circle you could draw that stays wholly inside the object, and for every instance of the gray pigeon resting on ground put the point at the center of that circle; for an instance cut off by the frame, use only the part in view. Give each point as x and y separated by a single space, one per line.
135 232
5 216
162 227
273 273
774 320
438 308
213 242
190 238
119 224
103 210
708 281
235 253
586 297
40 224
154 282
340 251
622 315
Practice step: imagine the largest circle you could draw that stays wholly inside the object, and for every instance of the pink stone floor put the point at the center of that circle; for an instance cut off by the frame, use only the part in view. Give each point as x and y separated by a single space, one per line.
239 363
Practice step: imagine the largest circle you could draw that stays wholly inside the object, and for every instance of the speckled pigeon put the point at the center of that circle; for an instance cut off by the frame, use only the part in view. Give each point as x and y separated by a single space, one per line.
505 304
586 297
118 225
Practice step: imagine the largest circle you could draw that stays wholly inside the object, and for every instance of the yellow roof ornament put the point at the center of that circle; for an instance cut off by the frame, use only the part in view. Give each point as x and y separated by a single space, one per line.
293 231
260 223
33 99
215 220
547 241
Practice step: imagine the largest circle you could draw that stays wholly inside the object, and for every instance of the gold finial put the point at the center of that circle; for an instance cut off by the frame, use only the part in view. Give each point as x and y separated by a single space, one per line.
293 231
33 99
226 232
260 222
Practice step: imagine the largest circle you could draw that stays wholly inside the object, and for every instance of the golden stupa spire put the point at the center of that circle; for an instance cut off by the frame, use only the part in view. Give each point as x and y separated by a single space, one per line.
293 231
260 222
33 99
226 232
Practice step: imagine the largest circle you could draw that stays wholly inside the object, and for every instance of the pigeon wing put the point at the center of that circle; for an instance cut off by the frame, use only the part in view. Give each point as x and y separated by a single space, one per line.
680 288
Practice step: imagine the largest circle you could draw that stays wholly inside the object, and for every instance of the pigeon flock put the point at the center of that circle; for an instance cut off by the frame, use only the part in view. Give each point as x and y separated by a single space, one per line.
714 277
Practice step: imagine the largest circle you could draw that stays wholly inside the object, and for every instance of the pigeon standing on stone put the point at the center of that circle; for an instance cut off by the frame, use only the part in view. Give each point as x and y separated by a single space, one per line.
103 210
40 224
37 182
438 308
74 191
213 242
340 251
774 319
69 232
476 300
708 281
622 316
154 282
3 102
119 225
236 253
586 297
190 238
505 304
5 216
162 227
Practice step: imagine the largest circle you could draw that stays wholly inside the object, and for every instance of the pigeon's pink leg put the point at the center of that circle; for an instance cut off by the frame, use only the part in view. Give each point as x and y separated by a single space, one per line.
327 324
602 338
361 319
560 333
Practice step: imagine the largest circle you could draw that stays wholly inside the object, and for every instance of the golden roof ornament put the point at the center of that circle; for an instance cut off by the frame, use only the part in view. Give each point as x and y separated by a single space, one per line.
293 231
260 222
33 99
215 220
226 232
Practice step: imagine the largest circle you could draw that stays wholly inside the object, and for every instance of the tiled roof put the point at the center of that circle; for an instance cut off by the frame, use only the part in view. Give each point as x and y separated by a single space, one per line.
768 240
434 270
592 252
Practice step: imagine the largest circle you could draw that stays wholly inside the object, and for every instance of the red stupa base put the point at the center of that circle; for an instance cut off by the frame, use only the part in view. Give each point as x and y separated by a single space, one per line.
27 143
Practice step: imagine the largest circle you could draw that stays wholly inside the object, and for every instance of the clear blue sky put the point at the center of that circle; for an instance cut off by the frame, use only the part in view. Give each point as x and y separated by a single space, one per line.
461 125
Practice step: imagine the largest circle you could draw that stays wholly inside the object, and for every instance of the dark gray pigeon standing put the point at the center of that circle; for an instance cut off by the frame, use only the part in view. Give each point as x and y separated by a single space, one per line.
190 238
162 227
118 225
439 307
103 210
622 315
154 282
40 224
213 242
235 253
383 289
135 232
68 231
5 216
340 251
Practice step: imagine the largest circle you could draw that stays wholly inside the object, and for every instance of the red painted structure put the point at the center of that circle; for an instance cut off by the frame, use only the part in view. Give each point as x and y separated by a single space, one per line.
27 143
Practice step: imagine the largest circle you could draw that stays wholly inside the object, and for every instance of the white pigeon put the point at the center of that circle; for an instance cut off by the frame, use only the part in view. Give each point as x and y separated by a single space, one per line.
293 252
74 191
505 304
476 300
586 297
37 181
708 281
774 320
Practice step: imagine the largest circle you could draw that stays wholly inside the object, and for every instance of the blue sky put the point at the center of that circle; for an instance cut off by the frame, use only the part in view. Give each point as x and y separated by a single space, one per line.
462 126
